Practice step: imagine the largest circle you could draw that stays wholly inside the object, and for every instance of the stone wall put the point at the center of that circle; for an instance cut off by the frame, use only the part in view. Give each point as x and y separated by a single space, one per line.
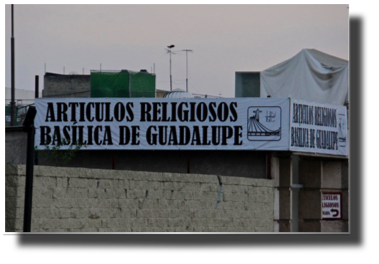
95 200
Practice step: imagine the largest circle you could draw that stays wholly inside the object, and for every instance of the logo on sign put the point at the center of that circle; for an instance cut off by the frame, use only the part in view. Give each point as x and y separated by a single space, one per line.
264 123
341 130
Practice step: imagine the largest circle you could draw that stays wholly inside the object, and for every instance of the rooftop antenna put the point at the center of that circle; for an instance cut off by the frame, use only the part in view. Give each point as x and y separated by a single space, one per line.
187 50
170 51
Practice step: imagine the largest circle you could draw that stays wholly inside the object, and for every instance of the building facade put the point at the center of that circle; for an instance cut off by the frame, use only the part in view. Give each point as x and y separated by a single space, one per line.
179 190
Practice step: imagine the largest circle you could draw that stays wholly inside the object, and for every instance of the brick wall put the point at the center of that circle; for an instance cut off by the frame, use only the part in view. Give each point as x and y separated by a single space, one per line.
95 200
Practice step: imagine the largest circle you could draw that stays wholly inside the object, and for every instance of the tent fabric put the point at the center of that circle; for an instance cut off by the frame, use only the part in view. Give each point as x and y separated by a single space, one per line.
123 83
178 95
310 75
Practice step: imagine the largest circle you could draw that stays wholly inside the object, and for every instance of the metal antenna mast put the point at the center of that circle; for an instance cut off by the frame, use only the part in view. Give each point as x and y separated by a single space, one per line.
187 50
170 51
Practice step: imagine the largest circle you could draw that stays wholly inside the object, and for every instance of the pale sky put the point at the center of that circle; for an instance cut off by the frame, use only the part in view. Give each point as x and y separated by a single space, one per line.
224 39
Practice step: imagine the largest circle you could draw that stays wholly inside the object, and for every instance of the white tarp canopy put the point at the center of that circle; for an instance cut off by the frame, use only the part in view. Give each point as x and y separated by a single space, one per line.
310 75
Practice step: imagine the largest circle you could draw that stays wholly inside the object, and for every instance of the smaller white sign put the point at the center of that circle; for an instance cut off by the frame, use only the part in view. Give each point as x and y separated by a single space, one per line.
331 205
318 128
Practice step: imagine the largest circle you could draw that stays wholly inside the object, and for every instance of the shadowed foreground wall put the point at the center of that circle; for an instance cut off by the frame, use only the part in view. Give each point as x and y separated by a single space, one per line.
94 200
251 164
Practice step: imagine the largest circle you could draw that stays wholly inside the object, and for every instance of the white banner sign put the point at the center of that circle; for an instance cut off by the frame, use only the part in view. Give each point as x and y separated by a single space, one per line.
331 205
152 123
318 128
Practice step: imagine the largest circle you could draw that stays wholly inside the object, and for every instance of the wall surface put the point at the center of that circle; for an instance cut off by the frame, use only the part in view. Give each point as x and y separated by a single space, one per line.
15 146
94 200
247 84
61 85
315 176
250 164
299 183
318 176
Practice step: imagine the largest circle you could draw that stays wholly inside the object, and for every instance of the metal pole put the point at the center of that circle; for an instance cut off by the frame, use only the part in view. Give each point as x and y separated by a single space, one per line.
36 93
186 71
13 104
29 180
170 51
29 128
186 50
170 74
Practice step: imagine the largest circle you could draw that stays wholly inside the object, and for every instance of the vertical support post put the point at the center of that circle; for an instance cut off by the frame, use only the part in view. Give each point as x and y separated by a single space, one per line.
29 180
13 103
170 51
170 74
285 194
187 50
36 94
29 128
187 71
268 164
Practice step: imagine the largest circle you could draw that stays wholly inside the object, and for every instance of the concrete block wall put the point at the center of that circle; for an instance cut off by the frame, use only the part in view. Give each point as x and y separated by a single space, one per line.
299 183
285 194
96 200
15 146
66 85
317 176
